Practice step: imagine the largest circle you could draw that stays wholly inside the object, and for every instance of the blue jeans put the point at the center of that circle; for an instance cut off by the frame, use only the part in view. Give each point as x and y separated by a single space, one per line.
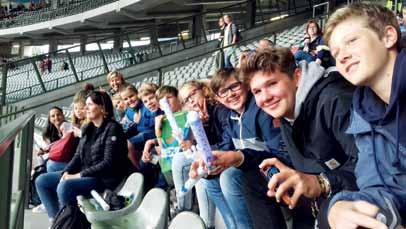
302 55
53 166
228 52
227 194
180 173
55 194
139 139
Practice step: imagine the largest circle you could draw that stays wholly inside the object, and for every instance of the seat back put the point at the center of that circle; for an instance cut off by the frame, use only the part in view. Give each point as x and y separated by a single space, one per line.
153 211
187 220
133 186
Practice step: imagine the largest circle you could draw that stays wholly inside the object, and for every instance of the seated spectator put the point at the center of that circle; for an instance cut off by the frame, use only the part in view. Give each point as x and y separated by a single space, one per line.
364 39
314 107
197 96
51 134
142 118
79 111
162 174
248 128
119 111
265 43
314 48
116 82
262 44
99 163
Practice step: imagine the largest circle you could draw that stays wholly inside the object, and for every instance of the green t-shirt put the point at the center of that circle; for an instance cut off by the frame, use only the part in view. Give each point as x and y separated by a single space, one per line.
170 146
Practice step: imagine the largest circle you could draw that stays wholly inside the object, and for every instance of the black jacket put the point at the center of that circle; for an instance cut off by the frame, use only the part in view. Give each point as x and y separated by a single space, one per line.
107 159
317 140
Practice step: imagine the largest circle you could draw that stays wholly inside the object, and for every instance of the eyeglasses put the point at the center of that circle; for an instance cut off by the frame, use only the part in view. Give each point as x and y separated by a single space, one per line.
192 94
222 93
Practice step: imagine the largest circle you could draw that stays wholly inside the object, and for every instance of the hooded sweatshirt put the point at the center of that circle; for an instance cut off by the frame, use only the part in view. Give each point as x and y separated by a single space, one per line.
316 140
379 131
253 133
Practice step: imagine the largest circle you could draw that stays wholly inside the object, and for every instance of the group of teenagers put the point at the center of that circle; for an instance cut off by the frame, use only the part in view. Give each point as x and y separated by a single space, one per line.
335 135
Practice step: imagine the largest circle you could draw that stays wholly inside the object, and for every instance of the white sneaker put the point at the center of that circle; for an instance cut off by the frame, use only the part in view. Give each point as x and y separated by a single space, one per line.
39 209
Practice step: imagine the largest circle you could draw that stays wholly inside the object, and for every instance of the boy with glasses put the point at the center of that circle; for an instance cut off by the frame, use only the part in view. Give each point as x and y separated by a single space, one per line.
249 129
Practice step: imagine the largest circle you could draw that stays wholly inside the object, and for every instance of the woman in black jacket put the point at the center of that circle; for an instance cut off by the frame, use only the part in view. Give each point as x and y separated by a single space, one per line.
98 163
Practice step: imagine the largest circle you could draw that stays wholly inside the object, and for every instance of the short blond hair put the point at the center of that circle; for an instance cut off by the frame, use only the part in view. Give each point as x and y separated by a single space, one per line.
147 89
115 74
376 18
207 92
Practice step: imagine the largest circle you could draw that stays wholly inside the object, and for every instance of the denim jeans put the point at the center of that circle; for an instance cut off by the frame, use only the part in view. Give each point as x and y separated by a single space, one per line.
228 52
266 212
226 191
139 139
53 166
55 194
180 173
302 55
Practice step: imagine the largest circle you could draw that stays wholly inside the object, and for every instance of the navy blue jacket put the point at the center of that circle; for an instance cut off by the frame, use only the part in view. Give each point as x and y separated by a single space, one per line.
379 131
254 134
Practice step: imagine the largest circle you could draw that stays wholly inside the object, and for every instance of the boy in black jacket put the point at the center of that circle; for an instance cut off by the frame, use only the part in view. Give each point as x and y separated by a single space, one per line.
314 107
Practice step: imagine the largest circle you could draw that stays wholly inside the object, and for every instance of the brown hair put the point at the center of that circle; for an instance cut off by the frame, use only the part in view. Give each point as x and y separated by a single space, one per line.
269 60
319 32
80 97
129 87
220 77
165 90
376 18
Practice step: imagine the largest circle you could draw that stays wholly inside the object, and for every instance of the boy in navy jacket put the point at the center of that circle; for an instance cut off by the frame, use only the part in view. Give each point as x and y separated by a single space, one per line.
364 39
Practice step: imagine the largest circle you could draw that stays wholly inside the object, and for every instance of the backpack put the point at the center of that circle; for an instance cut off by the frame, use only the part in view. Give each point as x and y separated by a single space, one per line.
70 217
33 195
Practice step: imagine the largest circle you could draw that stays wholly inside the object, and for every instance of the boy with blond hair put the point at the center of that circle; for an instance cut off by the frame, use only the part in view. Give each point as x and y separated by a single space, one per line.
364 40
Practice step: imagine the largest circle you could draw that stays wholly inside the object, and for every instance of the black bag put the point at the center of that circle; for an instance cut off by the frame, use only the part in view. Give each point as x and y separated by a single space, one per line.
115 201
70 217
34 198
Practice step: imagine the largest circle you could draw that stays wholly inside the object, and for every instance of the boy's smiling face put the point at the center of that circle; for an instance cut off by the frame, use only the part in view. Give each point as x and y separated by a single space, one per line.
130 98
275 92
361 56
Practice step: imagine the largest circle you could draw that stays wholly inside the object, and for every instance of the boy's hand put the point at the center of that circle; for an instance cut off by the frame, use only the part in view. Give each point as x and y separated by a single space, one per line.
186 144
158 123
226 159
290 180
193 169
354 214
146 156
149 144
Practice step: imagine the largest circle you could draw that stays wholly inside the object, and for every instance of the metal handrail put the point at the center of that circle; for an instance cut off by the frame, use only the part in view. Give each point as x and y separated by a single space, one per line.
140 74
23 125
320 5
126 34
